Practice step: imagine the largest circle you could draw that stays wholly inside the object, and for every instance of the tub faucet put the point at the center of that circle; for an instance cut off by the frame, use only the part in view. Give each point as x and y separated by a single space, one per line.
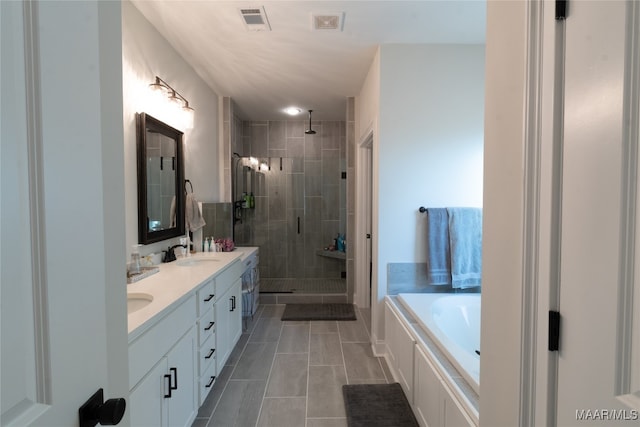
169 254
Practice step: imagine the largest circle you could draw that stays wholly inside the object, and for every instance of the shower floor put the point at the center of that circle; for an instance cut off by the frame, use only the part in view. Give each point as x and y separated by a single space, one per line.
309 286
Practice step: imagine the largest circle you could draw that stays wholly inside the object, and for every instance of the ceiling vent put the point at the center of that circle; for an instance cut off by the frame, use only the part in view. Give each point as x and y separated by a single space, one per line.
327 21
255 19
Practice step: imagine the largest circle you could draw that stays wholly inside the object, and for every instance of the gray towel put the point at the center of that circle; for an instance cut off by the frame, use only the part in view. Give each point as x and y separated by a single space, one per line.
465 235
192 214
438 254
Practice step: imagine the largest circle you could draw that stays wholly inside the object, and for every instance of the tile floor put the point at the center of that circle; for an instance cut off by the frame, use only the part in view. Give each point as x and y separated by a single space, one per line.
290 374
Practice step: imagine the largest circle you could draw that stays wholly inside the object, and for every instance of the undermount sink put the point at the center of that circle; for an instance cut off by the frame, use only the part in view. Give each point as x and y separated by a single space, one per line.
185 262
136 301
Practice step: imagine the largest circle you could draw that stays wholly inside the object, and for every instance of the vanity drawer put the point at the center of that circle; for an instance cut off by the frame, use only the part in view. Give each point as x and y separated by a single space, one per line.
206 326
207 355
206 297
206 383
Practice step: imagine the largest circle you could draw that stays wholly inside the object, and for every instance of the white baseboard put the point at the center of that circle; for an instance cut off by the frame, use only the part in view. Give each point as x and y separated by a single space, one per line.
378 347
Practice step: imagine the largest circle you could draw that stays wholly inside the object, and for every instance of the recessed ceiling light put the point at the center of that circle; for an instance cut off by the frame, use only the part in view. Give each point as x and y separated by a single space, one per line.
292 111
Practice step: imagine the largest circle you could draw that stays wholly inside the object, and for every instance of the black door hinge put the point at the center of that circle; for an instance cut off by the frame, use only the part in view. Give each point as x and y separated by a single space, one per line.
561 10
554 330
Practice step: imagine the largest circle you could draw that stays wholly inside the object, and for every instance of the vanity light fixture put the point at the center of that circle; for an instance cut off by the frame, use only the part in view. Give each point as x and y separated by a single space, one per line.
175 98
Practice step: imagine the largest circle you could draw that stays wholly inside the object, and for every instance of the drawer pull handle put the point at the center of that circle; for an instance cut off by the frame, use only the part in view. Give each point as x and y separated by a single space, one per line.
210 326
209 298
175 378
208 356
211 382
167 395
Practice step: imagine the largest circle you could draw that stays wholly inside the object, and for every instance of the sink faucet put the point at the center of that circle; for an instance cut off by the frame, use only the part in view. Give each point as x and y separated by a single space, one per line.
170 254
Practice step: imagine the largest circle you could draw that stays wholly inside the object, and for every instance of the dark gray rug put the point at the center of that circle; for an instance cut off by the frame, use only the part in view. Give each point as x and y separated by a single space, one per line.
319 312
377 405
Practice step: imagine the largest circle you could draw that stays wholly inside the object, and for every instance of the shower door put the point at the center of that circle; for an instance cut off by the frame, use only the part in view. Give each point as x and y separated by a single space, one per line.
299 207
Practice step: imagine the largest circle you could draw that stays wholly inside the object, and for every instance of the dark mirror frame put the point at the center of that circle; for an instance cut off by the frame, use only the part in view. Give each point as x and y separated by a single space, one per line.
144 123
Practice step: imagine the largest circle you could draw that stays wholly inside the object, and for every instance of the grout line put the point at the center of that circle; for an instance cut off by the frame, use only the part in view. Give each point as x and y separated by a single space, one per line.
273 361
306 403
344 361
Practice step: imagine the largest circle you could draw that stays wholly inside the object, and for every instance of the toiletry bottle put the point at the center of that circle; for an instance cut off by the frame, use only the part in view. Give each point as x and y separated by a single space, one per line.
135 259
252 201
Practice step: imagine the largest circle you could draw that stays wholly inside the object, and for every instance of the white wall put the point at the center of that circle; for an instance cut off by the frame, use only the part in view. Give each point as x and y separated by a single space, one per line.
429 149
431 139
146 54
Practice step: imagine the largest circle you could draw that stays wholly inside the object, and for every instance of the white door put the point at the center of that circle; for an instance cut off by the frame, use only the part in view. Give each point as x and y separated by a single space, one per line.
63 314
599 353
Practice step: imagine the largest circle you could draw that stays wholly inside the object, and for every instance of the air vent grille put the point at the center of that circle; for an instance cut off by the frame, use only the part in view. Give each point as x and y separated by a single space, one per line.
327 21
255 19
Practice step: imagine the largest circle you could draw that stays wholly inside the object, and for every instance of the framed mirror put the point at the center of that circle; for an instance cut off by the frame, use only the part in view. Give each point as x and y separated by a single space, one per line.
160 180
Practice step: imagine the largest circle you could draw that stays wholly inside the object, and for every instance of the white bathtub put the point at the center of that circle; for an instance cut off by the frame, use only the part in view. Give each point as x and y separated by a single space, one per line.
452 321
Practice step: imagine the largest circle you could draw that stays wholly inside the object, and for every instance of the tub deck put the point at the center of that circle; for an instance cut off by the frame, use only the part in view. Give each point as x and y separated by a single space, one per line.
459 346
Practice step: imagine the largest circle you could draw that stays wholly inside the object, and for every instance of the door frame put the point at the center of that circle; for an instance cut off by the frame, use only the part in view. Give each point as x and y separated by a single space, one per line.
366 199
542 214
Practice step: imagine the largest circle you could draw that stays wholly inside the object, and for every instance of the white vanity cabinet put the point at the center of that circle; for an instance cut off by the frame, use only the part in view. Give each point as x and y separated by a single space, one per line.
162 371
176 351
228 310
206 326
219 324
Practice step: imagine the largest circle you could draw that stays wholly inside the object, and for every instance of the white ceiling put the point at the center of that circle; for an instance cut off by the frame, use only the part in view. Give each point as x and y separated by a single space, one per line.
264 72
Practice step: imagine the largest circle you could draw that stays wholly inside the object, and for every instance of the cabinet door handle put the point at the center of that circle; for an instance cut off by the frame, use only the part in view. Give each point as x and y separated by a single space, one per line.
175 378
233 303
167 394
208 356
209 298
210 326
210 382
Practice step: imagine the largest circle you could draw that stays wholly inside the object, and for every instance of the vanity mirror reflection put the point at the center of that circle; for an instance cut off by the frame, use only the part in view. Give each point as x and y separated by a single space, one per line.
160 180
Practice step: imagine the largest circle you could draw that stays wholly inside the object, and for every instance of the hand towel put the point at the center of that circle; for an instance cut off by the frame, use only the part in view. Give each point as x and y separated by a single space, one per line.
192 214
438 254
465 238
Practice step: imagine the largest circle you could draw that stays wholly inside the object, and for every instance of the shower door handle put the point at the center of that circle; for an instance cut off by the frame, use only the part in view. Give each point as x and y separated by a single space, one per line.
298 225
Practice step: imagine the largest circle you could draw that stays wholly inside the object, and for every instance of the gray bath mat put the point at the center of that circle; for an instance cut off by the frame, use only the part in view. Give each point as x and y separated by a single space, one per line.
319 312
377 405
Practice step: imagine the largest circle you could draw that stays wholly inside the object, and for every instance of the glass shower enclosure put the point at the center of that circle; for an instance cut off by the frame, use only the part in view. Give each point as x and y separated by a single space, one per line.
291 208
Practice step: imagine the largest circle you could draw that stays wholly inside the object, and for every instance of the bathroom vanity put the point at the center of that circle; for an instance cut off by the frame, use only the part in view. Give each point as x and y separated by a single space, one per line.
183 323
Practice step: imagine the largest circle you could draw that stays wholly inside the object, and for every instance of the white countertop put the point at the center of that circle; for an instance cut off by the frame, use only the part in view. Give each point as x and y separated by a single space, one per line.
174 283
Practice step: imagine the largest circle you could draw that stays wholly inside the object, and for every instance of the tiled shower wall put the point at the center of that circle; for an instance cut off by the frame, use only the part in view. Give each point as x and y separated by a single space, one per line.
309 190
217 217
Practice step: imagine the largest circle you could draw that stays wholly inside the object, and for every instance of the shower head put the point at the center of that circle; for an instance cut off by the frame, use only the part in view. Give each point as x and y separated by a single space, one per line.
310 131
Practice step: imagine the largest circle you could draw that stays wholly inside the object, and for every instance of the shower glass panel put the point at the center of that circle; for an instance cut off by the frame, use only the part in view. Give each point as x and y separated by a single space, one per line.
299 207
